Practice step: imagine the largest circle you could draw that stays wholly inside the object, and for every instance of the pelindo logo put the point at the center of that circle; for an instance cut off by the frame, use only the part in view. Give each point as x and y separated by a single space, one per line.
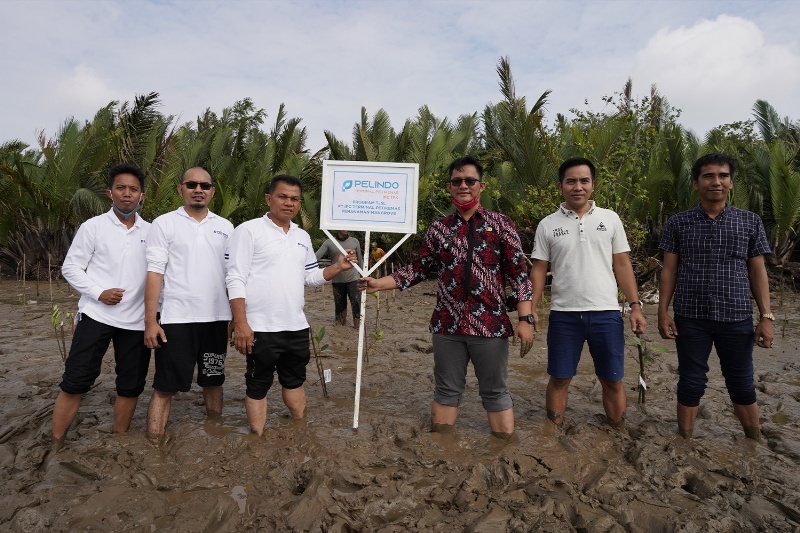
367 184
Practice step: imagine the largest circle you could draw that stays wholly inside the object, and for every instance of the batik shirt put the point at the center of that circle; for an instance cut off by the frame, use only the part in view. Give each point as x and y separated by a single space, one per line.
713 281
474 260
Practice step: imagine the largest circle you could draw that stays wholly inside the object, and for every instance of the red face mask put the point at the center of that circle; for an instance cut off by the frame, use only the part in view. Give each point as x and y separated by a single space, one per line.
466 206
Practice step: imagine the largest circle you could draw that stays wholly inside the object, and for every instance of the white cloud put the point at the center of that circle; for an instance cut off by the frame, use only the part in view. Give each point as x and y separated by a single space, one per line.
716 69
325 60
80 91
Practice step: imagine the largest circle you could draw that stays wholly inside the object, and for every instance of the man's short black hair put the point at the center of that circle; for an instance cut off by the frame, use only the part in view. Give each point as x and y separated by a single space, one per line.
713 159
575 162
461 162
287 179
125 168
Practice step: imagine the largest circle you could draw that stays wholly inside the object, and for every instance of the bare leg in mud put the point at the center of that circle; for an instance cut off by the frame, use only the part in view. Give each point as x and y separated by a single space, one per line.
295 400
256 411
124 408
556 399
64 413
443 417
212 395
502 423
686 417
748 417
158 414
614 402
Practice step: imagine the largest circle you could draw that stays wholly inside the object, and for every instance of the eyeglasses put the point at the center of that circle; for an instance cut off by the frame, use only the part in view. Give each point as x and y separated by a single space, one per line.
192 185
456 182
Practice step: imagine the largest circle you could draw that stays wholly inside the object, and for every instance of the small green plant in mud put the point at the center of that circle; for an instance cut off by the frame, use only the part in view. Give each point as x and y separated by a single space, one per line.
645 357
58 328
320 347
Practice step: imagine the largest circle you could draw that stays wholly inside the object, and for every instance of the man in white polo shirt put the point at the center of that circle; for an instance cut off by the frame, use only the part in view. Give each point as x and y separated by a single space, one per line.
106 264
186 260
270 260
587 251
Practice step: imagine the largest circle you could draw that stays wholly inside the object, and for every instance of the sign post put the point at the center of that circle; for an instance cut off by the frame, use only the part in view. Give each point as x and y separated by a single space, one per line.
367 196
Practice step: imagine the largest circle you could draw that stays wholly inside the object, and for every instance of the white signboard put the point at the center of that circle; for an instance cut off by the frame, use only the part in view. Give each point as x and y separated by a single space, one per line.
366 196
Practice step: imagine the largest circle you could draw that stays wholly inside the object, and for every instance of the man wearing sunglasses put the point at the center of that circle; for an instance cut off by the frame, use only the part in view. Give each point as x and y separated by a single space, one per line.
475 253
186 267
586 249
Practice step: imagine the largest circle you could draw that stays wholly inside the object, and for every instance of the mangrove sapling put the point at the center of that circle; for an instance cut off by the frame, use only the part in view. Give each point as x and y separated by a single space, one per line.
58 328
317 340
645 357
24 288
377 337
641 346
50 278
377 311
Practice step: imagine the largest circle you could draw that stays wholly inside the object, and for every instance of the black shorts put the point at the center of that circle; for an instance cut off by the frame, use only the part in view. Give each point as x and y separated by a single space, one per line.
285 351
201 344
89 345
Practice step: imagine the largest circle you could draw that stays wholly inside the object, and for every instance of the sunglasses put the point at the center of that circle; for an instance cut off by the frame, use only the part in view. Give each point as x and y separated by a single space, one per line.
456 182
192 185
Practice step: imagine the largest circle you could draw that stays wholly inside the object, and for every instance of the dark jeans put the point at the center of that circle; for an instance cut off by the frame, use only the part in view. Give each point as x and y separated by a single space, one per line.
341 293
734 344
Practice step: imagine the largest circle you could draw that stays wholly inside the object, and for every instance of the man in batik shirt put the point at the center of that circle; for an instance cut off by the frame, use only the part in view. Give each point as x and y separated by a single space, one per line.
475 253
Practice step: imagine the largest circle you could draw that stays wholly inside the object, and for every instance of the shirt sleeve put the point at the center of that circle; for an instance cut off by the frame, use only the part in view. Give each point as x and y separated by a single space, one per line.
77 261
359 255
759 244
157 248
314 275
668 242
541 248
239 261
619 244
323 250
422 266
515 270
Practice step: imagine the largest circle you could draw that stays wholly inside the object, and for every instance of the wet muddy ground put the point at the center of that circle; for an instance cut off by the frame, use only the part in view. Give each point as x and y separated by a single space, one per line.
392 473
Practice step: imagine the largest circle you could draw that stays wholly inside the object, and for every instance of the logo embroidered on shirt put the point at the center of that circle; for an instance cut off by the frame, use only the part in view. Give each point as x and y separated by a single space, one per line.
601 227
218 232
560 232
303 245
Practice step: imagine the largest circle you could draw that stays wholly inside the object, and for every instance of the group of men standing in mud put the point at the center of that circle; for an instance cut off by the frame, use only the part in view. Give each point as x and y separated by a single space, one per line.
187 283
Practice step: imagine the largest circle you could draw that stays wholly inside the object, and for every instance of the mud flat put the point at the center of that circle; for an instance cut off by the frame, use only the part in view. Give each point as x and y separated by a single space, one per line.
393 474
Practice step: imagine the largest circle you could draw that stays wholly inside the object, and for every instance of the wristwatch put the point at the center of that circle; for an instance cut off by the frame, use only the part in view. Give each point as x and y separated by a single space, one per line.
637 302
768 316
527 318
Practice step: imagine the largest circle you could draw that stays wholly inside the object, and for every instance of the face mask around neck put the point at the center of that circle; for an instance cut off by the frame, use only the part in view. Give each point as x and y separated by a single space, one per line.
466 206
127 215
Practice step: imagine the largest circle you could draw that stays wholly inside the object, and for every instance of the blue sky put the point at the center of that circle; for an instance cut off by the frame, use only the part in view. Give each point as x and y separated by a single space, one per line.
327 59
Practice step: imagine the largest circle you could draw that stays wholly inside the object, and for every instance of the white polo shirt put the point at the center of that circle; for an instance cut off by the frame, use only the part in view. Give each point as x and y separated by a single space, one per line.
105 254
580 251
191 256
269 269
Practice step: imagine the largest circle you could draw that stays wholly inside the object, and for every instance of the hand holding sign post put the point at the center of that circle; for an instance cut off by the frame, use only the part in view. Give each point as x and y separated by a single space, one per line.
367 196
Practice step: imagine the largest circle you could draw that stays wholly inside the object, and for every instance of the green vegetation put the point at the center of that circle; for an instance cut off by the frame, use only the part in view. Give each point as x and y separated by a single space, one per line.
642 153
